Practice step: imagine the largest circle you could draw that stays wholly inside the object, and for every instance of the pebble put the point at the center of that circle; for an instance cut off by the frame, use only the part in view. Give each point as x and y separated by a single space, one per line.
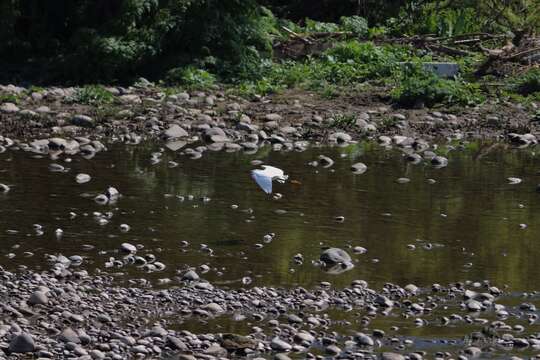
22 343
82 178
359 168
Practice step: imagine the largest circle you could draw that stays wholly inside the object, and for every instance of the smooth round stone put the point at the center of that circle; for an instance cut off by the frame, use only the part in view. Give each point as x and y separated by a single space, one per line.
335 256
22 343
359 250
38 298
279 345
82 178
359 168
364 340
129 248
190 276
439 161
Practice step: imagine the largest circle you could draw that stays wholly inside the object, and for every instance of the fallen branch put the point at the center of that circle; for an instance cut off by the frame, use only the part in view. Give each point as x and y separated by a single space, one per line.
296 35
319 35
448 50
520 54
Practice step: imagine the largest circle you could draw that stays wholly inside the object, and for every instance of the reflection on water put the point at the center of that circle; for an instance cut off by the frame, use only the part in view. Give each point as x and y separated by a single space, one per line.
469 224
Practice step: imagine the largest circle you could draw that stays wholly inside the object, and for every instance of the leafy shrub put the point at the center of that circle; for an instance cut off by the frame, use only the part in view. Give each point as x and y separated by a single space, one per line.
317 26
345 64
343 120
355 24
190 77
93 95
86 40
527 84
417 86
367 60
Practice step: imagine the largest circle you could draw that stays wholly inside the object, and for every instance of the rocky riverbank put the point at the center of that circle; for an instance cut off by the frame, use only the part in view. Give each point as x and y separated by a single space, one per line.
67 313
69 119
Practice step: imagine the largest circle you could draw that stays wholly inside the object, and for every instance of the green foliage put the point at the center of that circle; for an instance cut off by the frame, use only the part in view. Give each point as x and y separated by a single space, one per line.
528 83
12 98
449 18
190 77
355 24
366 61
416 86
88 40
346 64
328 91
441 22
92 95
342 120
316 26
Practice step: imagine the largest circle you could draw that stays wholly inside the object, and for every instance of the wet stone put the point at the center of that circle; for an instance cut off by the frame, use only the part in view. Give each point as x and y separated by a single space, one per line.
38 298
22 343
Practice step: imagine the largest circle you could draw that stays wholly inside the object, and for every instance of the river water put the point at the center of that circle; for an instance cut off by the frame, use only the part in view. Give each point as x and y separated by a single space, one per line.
469 224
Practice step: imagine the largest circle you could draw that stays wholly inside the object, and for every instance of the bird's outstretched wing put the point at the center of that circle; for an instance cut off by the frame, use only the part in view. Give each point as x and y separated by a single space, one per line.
272 171
264 181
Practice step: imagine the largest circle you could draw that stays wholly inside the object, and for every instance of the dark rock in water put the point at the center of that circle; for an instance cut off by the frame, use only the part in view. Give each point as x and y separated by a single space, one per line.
112 193
522 139
56 167
414 158
439 161
191 276
325 161
383 301
337 269
359 168
128 248
333 256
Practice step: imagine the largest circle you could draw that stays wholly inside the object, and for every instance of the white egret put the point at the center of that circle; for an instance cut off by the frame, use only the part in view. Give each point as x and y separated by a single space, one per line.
264 177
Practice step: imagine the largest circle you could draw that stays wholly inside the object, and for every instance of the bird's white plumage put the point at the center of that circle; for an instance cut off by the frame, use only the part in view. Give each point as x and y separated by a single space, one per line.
264 177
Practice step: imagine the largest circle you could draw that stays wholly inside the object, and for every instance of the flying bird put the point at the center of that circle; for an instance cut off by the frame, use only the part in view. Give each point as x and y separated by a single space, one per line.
264 177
